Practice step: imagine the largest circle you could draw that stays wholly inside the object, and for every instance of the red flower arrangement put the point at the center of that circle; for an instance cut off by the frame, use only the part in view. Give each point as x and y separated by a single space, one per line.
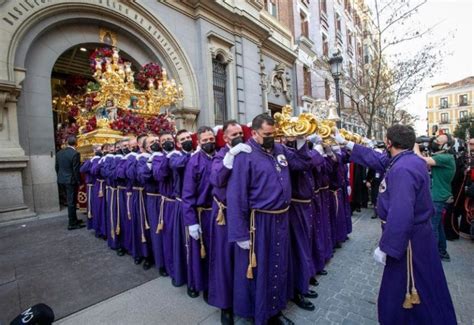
104 52
73 111
130 123
149 70
91 125
75 85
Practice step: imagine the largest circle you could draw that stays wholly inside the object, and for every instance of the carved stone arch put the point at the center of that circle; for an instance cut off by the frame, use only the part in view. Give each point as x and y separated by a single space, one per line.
19 18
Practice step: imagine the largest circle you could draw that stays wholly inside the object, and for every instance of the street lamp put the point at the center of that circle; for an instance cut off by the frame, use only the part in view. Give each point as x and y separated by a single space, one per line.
336 70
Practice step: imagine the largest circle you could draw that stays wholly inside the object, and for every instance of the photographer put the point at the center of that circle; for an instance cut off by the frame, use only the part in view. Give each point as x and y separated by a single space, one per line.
443 168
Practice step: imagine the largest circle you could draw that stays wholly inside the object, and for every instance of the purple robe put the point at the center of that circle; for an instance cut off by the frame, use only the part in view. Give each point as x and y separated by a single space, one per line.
152 202
345 162
177 164
260 182
140 227
321 246
302 223
404 205
337 207
111 213
197 203
163 175
98 193
90 180
221 252
124 189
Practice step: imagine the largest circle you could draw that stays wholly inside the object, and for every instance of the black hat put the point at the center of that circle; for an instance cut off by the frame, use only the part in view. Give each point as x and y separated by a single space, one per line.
40 314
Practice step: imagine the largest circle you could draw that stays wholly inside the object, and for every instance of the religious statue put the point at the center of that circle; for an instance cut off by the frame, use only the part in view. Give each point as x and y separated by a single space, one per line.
133 102
111 110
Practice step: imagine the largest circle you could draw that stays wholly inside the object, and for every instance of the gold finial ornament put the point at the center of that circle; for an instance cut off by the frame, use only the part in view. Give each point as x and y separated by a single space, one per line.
293 126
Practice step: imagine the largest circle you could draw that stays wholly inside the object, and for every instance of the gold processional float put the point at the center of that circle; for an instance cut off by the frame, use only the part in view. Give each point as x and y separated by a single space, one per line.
116 90
307 124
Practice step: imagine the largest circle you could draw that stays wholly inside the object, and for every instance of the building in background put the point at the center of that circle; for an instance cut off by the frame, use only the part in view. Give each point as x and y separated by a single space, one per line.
447 103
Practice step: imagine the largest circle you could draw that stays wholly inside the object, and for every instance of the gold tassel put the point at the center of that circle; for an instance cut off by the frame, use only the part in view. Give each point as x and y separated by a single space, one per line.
249 272
89 214
143 238
101 194
407 304
254 259
220 217
203 250
415 298
160 227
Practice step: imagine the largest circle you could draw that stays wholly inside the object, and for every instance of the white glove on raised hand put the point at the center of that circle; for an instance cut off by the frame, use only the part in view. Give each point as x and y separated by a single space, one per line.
314 138
349 190
195 231
379 256
174 152
319 148
339 138
241 147
228 160
244 244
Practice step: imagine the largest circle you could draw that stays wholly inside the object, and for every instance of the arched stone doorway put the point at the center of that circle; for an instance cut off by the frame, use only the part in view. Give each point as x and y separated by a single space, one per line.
41 36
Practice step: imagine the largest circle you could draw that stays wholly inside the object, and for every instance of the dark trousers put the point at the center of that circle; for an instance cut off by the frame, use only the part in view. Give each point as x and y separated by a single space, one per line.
71 197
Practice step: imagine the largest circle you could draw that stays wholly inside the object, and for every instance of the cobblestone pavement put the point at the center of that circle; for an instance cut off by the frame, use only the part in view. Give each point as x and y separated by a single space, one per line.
347 295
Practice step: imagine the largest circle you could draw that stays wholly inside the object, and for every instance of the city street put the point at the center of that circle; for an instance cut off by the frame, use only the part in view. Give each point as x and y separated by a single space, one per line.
86 283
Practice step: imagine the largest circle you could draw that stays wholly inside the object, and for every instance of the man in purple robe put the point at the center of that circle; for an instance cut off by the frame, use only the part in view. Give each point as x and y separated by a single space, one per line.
121 227
302 215
221 252
90 180
140 226
177 163
258 201
124 188
98 222
111 215
413 288
197 207
152 201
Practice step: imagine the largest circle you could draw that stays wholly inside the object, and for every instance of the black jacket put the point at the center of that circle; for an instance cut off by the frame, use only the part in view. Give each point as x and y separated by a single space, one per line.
68 162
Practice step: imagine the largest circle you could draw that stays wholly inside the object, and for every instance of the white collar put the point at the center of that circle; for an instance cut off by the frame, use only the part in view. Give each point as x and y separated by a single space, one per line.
95 157
155 154
143 154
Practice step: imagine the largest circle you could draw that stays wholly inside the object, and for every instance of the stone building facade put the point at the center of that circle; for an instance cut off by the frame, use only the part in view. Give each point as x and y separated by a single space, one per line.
237 42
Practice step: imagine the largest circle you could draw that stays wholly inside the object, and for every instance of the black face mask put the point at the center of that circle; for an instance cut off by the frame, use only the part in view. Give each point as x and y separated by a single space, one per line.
136 149
209 147
155 147
291 144
99 153
119 152
236 141
168 145
126 151
268 142
187 145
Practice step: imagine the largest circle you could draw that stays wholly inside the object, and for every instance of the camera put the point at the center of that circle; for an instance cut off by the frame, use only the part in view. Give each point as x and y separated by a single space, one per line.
424 144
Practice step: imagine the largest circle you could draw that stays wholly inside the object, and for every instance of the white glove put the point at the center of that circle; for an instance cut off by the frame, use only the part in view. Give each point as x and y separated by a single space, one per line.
336 149
350 145
328 151
380 256
314 138
244 244
300 143
319 148
228 160
349 190
241 147
339 138
195 231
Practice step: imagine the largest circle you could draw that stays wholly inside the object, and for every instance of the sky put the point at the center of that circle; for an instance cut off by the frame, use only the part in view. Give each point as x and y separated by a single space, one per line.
453 16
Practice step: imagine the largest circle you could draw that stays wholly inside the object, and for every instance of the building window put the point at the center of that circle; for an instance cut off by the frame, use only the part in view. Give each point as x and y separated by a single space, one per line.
443 102
462 114
327 89
347 6
444 131
219 83
325 46
271 7
463 100
323 6
342 99
351 70
444 118
304 24
337 20
307 82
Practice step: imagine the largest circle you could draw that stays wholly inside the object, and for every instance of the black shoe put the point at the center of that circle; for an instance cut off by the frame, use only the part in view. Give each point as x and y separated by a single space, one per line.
205 295
311 294
138 260
163 272
147 265
193 293
338 245
280 319
120 252
173 282
227 317
302 302
79 222
76 226
374 217
313 281
323 272
445 257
